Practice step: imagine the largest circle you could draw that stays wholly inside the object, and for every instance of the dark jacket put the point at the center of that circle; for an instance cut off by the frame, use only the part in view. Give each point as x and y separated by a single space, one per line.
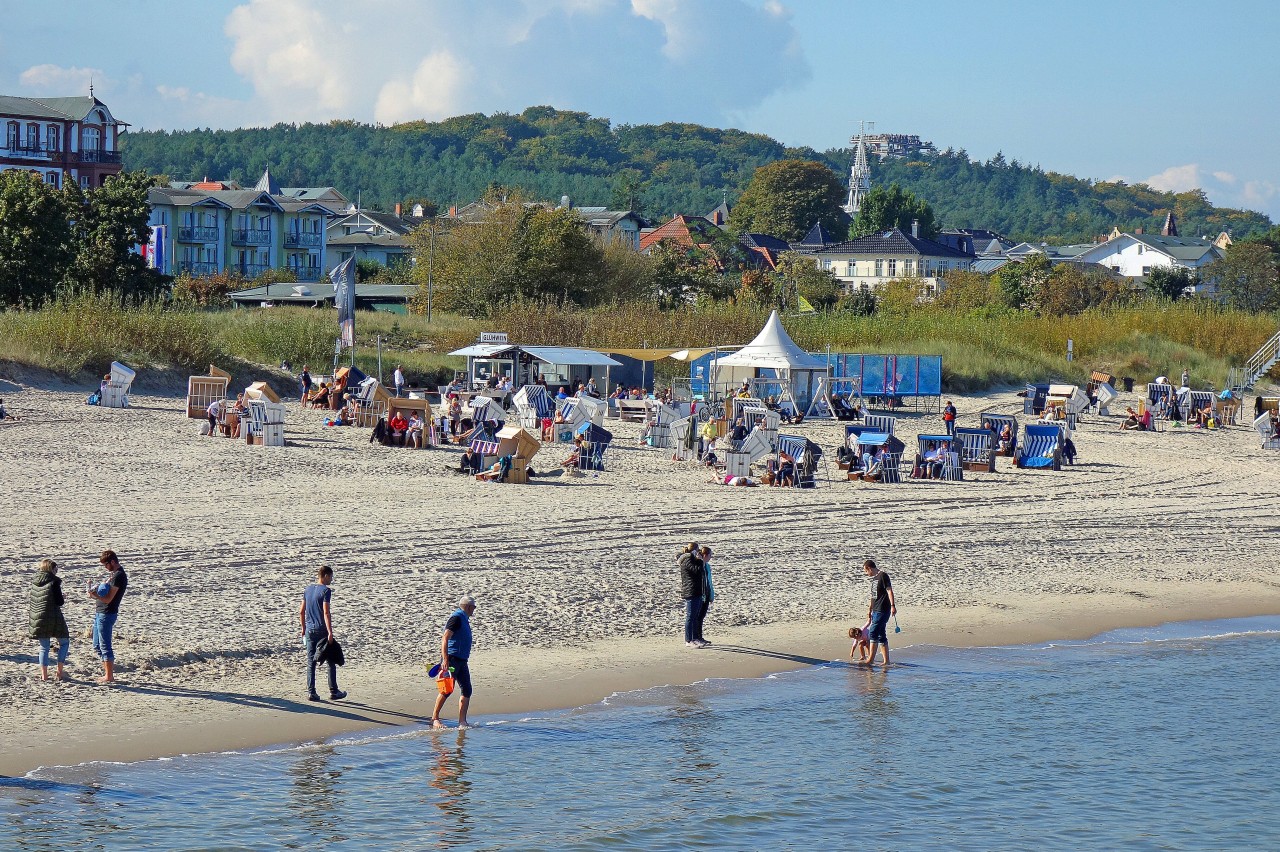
692 576
45 608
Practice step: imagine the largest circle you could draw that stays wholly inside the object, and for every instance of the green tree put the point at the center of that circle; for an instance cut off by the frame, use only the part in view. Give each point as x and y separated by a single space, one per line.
108 224
818 286
784 199
1020 281
1068 290
860 303
681 277
884 209
969 291
628 191
1171 282
35 238
1246 277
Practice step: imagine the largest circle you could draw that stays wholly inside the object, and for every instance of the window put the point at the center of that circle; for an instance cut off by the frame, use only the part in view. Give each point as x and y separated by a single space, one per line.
879 268
33 136
908 268
1146 270
84 181
1141 247
11 137
92 139
51 178
51 141
851 269
893 267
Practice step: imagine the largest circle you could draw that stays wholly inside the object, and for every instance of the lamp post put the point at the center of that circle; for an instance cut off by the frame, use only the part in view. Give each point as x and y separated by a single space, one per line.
431 263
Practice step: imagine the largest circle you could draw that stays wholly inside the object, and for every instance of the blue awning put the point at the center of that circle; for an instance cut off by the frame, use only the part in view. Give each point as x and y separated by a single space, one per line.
873 439
571 356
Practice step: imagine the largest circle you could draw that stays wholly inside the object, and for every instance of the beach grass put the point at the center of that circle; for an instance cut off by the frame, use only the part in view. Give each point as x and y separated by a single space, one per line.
85 332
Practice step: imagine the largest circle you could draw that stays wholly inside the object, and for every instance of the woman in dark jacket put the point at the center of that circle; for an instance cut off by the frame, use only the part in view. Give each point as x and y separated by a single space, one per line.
45 610
693 590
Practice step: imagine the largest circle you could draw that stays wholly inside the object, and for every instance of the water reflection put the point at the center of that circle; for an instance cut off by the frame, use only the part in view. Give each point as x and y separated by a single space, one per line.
695 728
876 711
315 795
448 777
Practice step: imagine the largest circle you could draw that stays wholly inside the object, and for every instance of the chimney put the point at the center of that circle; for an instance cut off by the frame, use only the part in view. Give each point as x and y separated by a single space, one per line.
399 209
564 202
915 228
453 211
1138 230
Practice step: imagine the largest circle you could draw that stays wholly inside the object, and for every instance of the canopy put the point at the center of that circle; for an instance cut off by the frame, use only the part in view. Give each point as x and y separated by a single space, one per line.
774 349
676 354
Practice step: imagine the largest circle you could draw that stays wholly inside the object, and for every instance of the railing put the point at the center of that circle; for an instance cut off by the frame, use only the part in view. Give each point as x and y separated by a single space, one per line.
251 237
92 156
294 240
251 270
196 234
1264 359
192 267
20 150
305 273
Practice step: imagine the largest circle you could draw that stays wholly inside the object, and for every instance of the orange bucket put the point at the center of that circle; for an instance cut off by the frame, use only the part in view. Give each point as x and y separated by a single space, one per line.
444 682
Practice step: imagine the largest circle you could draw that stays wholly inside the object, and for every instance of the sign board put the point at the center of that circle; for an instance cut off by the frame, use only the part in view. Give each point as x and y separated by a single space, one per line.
493 337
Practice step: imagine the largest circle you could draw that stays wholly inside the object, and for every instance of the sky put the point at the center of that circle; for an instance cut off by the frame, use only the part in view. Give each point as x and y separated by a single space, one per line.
1170 93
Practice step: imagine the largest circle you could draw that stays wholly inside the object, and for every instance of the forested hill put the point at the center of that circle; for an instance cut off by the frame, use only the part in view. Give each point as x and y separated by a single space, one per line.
668 168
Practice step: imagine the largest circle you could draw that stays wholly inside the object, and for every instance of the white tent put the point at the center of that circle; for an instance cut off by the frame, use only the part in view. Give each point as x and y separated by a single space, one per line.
774 351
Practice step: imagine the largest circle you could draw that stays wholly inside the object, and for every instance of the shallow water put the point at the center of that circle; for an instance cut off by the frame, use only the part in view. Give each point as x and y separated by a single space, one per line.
1162 738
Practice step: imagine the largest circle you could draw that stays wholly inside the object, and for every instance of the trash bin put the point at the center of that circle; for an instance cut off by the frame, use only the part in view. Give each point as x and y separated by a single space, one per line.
1128 384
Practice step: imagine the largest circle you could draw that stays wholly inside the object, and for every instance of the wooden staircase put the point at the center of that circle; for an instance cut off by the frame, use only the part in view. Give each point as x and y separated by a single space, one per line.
1244 378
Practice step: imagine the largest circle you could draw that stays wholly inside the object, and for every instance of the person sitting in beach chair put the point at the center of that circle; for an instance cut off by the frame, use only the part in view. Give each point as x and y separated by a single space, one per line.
497 471
575 458
1006 440
320 399
1204 417
471 461
785 474
929 464
399 428
873 465
1131 421
739 433
413 431
709 457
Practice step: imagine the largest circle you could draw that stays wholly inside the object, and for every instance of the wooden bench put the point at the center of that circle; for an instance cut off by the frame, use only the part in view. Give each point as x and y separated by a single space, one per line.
634 410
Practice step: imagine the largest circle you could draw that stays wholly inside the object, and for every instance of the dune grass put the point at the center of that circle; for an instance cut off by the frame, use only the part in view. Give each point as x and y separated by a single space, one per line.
82 332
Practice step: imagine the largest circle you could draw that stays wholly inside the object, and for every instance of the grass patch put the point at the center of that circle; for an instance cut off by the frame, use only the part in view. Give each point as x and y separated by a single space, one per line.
86 332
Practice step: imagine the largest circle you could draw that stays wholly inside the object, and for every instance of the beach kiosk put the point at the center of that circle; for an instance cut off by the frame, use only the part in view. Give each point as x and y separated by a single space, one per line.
492 357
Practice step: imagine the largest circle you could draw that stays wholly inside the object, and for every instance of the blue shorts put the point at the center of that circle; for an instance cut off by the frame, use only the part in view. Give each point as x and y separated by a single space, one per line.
879 620
461 675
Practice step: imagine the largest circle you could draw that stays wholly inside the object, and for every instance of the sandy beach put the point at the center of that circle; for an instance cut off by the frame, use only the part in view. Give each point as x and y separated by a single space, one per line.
578 596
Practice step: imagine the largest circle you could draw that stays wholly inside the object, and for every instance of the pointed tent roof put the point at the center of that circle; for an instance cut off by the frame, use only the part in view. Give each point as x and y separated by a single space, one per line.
267 183
1170 228
774 349
817 236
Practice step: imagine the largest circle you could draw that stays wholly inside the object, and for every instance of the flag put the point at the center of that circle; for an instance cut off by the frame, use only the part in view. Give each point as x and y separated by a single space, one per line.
343 277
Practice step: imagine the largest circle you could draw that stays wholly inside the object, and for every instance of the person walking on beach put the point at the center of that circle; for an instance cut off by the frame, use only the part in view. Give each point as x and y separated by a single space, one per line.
45 611
882 606
106 597
317 631
398 378
693 581
949 418
455 653
305 379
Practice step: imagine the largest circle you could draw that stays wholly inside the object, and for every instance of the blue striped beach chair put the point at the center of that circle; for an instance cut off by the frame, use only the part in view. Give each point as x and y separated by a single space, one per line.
880 423
806 454
1041 447
595 441
977 448
996 423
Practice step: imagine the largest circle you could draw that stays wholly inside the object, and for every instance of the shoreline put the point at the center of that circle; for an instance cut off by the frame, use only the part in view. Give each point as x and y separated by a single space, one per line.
560 679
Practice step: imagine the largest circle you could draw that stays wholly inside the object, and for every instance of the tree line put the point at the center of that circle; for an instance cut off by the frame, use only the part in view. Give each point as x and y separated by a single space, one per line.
657 170
51 238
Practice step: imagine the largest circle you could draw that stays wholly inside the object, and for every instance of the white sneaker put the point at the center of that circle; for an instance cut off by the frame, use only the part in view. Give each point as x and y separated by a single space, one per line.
692 645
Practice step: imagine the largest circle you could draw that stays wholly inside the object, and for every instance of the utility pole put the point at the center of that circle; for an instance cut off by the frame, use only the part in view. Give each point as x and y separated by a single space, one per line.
431 264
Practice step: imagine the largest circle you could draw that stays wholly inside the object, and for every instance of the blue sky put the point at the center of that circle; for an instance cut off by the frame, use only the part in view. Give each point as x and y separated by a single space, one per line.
1172 93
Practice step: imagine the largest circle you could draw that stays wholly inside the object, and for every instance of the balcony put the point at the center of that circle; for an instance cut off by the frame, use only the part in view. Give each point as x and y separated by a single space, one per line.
251 237
190 234
305 273
192 267
30 152
251 270
99 156
302 240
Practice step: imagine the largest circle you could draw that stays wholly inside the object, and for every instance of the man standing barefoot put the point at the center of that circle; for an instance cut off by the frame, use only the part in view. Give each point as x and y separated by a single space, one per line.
882 606
106 598
455 650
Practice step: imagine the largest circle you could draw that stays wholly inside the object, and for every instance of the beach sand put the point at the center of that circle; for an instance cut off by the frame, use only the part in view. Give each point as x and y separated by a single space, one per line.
578 596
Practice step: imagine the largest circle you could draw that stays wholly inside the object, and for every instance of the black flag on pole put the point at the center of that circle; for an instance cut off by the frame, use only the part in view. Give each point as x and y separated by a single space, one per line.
343 277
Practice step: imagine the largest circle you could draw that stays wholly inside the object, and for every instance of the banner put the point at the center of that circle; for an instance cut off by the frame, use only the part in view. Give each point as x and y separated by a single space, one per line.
343 277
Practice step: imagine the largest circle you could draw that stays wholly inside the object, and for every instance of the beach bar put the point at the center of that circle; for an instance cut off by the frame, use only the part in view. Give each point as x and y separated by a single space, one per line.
492 357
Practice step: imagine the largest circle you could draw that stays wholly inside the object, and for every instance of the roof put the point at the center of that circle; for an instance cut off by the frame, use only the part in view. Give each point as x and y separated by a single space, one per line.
549 354
364 238
267 183
181 197
236 199
1180 248
321 291
893 242
773 348
64 109
818 236
386 221
688 231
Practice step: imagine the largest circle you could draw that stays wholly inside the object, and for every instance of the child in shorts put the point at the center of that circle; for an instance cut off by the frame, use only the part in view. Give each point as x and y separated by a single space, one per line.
861 643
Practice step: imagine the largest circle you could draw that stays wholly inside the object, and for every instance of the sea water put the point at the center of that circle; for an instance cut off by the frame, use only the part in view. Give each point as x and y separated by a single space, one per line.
1162 738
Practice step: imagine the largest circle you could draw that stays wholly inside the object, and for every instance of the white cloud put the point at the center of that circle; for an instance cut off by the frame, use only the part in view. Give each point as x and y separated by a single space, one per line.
56 81
1221 187
397 60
